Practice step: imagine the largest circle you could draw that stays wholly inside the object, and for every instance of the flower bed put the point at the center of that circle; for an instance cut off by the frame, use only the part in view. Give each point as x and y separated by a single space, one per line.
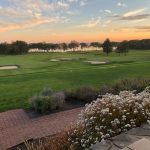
102 119
110 116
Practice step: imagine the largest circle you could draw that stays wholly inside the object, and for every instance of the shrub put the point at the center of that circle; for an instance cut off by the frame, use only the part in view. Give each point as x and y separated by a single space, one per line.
58 100
85 94
138 84
59 142
41 104
105 89
70 95
46 92
46 100
110 116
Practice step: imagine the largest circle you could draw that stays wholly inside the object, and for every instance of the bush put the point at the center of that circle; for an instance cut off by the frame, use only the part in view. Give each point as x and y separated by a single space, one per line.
46 100
110 116
46 92
85 94
41 104
105 89
58 100
70 95
138 84
59 142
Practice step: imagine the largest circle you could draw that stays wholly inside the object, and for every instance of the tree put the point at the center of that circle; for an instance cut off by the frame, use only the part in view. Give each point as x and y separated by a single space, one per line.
63 46
4 48
96 44
83 45
19 47
122 48
107 47
73 45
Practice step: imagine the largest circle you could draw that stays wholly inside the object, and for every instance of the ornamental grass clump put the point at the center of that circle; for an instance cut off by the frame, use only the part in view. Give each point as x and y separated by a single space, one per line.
109 116
84 94
138 84
47 100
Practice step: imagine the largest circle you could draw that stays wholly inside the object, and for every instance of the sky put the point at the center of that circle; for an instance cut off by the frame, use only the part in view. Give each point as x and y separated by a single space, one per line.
80 20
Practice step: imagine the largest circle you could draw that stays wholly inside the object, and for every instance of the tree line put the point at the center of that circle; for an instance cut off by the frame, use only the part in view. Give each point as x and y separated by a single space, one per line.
64 46
17 47
21 47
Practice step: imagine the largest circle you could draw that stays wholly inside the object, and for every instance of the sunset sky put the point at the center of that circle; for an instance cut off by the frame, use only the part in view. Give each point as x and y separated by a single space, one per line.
81 20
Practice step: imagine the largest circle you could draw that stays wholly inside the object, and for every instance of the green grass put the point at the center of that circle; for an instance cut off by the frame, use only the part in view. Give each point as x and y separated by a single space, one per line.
37 71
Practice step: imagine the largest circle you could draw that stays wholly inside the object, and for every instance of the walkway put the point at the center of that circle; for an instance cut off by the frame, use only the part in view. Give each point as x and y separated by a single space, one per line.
16 126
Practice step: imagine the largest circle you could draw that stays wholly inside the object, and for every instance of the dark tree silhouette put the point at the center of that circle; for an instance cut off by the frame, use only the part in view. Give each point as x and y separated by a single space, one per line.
96 44
73 45
83 45
4 48
107 47
18 47
122 48
63 46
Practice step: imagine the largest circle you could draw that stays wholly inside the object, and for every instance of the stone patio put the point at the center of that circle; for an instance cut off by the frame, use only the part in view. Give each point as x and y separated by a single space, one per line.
135 139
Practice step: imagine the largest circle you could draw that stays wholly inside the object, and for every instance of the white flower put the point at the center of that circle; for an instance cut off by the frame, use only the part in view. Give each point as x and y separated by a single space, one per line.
148 121
111 115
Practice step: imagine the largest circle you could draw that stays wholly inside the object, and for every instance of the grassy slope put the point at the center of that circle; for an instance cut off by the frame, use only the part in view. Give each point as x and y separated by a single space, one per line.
36 72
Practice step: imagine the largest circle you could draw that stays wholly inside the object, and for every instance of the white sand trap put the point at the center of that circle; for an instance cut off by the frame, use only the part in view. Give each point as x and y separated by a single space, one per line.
61 59
65 59
54 60
96 62
8 67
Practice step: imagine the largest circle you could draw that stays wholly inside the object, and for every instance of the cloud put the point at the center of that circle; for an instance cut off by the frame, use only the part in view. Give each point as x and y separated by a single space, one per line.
91 23
135 17
18 14
131 13
5 26
120 4
143 28
108 11
108 22
134 29
82 3
62 4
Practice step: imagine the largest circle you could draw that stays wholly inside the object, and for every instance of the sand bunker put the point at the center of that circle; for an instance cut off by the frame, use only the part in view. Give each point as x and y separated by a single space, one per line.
54 60
96 62
8 67
61 59
65 59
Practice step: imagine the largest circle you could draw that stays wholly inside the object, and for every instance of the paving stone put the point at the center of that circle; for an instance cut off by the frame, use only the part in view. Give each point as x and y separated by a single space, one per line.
143 144
142 131
123 140
104 146
146 126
